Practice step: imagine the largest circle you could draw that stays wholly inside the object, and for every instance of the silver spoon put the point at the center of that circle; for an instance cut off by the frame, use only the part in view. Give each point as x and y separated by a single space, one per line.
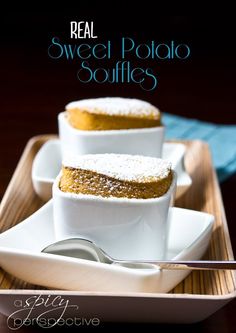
86 249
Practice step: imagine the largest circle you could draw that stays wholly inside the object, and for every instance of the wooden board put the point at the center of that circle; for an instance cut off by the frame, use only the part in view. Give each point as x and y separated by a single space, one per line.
20 201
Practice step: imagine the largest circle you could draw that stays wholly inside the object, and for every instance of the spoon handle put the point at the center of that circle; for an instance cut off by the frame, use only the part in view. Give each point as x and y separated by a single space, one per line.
178 265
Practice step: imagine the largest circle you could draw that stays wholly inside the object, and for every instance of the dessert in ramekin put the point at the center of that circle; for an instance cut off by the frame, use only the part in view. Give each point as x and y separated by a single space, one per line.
111 125
115 200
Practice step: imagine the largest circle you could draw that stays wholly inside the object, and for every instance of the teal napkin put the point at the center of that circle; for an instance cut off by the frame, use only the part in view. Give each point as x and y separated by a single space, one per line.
221 139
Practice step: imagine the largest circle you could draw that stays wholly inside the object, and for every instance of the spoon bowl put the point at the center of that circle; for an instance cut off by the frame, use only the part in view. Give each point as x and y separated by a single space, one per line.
78 248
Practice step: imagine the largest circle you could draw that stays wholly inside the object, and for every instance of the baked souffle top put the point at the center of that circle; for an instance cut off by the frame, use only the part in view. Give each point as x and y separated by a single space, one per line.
112 113
115 175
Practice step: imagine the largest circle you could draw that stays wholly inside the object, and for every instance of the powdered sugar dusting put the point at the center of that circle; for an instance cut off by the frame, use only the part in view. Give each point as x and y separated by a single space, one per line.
116 106
123 167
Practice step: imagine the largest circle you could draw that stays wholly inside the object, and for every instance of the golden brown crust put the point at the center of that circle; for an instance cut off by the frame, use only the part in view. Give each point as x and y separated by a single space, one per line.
88 121
89 182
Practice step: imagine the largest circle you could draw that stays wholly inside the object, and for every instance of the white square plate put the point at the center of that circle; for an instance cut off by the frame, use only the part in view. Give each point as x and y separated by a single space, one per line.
20 255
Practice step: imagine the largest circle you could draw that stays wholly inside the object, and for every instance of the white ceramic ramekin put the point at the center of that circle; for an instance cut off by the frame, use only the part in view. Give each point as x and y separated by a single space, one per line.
144 141
114 224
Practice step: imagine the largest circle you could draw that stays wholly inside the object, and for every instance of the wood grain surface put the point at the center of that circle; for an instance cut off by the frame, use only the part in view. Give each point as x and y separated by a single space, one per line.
20 201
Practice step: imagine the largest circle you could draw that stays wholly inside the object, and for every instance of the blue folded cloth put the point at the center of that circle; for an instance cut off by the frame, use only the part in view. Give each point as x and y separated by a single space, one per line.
221 139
